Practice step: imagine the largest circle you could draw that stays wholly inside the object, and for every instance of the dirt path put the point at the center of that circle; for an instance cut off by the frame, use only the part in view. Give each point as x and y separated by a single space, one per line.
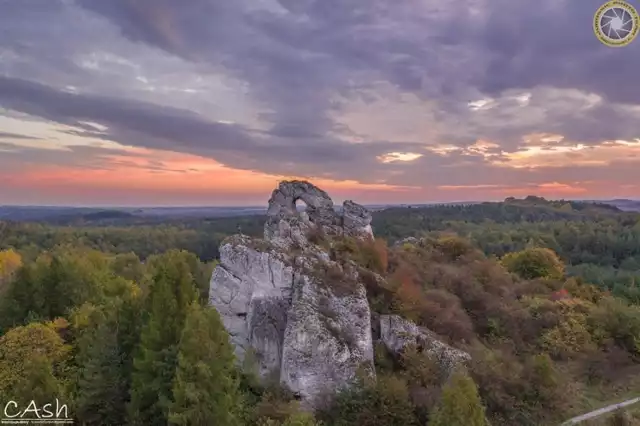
600 411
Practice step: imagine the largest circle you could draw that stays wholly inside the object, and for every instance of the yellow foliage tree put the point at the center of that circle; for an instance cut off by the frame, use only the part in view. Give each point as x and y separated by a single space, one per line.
30 359
569 337
460 404
10 261
534 263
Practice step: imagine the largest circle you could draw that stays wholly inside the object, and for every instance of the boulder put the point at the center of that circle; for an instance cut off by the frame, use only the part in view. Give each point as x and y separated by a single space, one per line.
397 333
356 219
409 240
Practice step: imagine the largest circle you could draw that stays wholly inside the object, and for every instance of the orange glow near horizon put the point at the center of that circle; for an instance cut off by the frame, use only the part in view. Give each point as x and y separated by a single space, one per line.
151 177
161 172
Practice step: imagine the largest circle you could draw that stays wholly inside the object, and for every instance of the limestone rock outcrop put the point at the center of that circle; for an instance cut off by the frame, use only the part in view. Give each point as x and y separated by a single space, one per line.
297 315
327 339
397 333
356 219
278 305
251 290
285 226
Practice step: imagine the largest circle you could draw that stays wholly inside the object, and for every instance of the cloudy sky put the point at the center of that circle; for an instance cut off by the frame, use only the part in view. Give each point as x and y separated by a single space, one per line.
212 102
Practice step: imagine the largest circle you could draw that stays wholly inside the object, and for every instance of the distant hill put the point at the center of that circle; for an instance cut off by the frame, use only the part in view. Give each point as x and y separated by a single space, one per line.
127 215
117 215
624 205
150 215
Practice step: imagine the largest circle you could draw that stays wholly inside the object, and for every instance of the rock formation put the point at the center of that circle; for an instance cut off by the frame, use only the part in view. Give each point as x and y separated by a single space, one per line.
303 318
397 333
286 226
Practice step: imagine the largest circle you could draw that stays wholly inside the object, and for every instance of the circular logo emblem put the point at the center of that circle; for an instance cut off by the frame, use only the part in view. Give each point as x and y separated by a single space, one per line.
616 23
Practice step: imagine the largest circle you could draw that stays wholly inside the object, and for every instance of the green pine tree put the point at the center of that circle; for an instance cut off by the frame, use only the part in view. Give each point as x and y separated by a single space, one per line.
206 387
460 404
172 292
101 387
104 357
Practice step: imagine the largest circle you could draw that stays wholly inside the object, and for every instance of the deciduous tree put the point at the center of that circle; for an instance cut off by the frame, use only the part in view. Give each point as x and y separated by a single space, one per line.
534 263
460 404
10 261
32 361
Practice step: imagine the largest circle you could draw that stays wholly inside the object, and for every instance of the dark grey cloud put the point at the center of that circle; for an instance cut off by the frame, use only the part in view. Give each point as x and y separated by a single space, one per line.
9 135
552 43
161 123
577 116
15 159
297 55
264 85
298 58
147 125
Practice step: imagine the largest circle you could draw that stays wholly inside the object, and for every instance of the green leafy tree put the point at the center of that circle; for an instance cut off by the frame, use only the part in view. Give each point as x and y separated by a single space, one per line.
129 266
206 386
534 263
460 404
173 290
384 403
54 284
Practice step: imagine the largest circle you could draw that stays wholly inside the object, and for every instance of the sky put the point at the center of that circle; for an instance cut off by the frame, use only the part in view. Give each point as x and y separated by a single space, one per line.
213 102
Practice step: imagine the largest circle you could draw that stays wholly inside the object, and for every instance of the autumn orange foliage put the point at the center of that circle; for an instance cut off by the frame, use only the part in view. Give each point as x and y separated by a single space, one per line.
382 253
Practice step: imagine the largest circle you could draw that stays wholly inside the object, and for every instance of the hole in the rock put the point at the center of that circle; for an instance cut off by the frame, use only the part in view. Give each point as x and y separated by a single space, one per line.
242 314
301 206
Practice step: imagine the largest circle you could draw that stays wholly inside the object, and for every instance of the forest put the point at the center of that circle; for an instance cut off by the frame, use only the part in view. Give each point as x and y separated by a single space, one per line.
112 319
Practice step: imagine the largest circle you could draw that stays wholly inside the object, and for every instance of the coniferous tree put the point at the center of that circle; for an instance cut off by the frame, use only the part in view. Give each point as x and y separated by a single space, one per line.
101 388
205 389
172 292
460 404
104 358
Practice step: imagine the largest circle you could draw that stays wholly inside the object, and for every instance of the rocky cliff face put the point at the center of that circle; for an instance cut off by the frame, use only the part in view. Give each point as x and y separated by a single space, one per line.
303 318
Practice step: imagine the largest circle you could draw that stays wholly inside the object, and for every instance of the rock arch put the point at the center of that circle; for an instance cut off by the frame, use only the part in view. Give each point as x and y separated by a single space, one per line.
282 203
284 220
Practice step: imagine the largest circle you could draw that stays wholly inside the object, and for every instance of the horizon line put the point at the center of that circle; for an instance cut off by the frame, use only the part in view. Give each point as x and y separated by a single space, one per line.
264 207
